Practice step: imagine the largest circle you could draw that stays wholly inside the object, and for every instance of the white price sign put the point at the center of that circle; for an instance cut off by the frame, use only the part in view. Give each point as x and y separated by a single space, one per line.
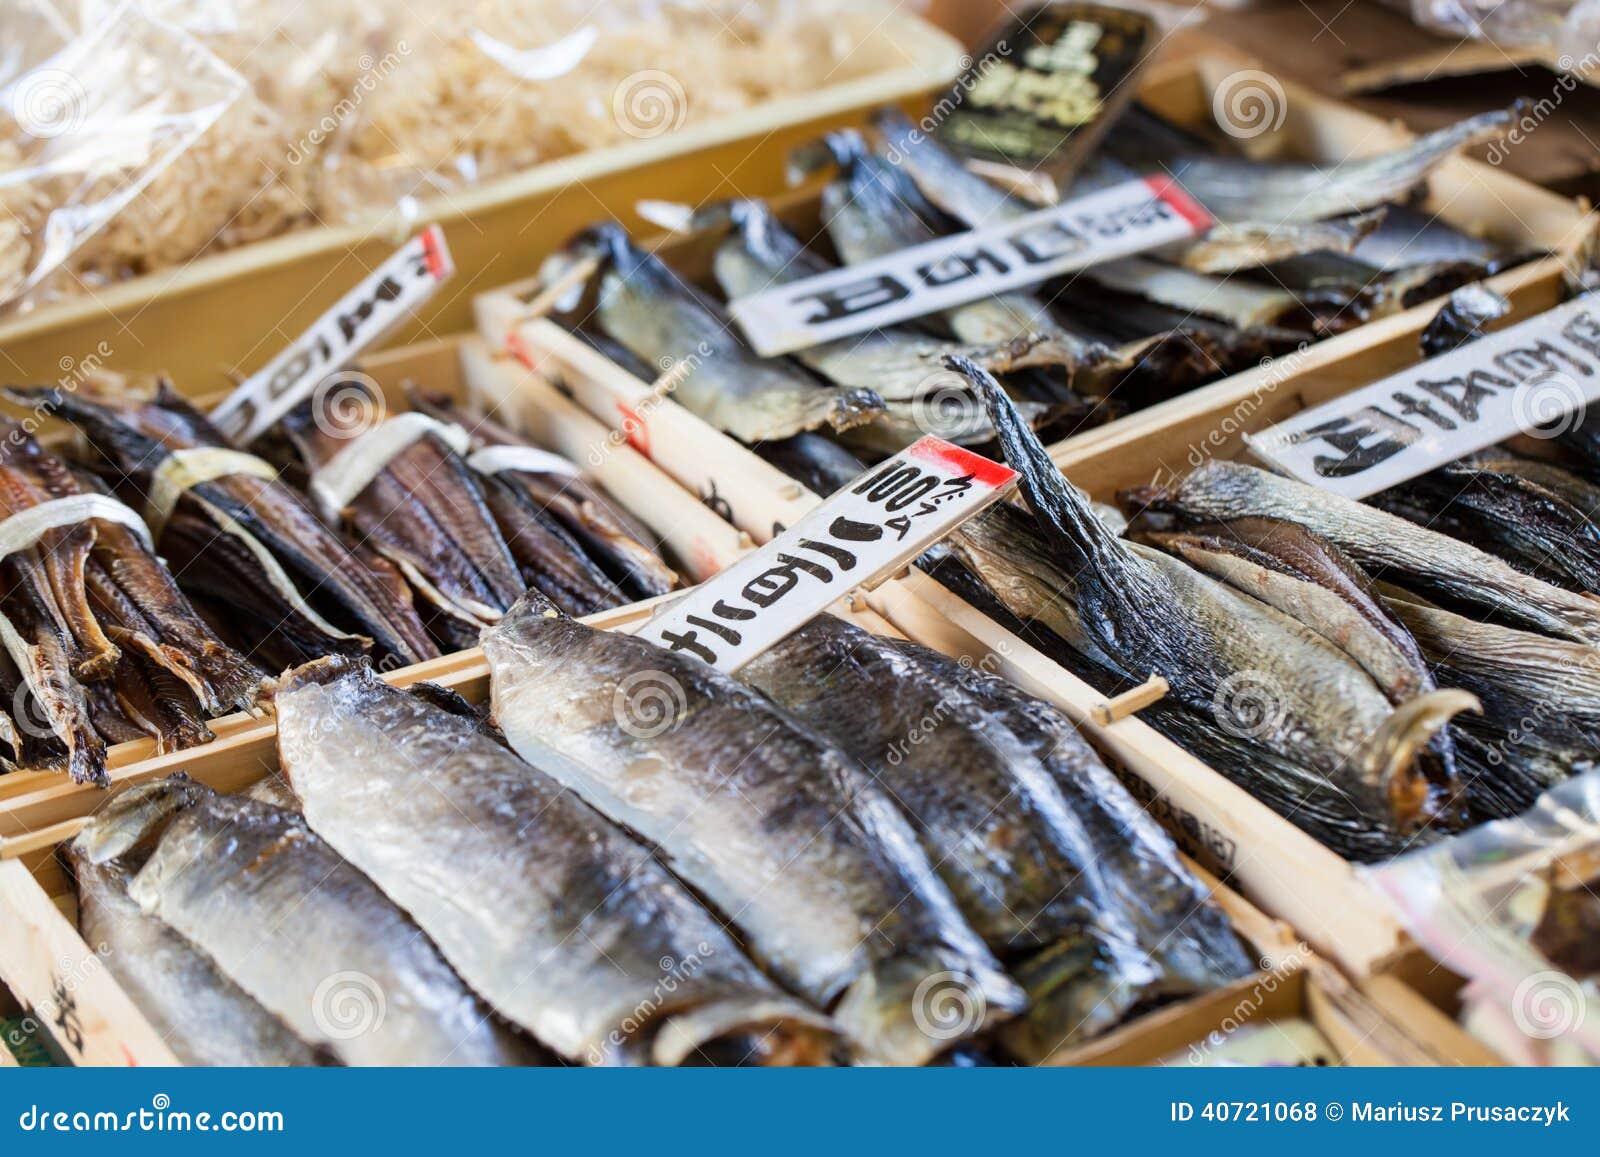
1114 222
859 536
1540 373
362 317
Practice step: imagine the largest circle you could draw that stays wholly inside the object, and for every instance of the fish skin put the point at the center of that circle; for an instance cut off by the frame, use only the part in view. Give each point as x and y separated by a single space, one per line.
815 461
990 818
425 512
552 913
204 1017
1510 513
546 556
133 434
1217 647
1237 189
1387 546
607 533
1308 578
667 324
1462 318
302 931
775 826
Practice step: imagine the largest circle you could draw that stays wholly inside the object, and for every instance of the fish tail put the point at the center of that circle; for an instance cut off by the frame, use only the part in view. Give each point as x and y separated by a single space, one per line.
907 1009
753 1030
1078 988
1421 792
841 149
854 408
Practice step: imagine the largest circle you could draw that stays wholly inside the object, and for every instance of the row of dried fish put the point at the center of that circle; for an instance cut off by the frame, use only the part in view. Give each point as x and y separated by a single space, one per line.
859 851
1301 252
407 534
1381 673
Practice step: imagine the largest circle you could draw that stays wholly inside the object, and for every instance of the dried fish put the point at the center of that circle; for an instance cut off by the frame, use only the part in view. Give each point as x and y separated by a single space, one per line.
815 461
714 375
990 818
423 510
1236 189
871 210
1494 502
202 1015
1253 669
239 535
1386 545
776 827
555 490
1462 318
312 939
561 921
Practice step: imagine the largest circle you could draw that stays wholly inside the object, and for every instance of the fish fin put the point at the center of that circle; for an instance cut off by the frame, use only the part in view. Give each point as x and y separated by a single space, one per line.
1077 989
328 669
841 149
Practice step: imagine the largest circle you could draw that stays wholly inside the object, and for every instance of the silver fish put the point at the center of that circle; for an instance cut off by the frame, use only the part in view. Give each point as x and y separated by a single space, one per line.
1381 543
1236 189
776 827
204 1017
665 323
563 923
991 819
312 939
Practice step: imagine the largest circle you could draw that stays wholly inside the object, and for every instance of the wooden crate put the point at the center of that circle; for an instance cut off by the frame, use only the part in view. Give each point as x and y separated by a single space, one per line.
63 980
1281 868
30 801
239 308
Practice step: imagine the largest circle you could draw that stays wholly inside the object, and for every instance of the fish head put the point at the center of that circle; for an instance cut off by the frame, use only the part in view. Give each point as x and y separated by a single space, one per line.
131 822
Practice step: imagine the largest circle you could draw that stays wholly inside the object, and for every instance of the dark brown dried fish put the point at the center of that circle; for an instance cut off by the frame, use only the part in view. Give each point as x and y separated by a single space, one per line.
248 541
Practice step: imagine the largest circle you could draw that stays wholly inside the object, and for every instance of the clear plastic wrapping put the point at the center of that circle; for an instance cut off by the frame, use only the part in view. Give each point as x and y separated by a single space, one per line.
1567 32
1514 906
197 125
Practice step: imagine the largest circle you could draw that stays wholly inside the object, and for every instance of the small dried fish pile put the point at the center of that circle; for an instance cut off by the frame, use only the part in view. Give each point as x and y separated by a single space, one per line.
101 646
469 520
247 545
874 874
249 940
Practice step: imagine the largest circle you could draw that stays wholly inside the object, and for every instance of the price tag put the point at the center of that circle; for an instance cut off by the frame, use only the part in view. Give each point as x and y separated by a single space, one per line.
1534 376
1114 222
859 536
361 318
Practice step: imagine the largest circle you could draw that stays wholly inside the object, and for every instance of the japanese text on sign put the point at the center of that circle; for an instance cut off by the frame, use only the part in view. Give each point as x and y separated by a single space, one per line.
860 535
389 295
1115 222
1536 374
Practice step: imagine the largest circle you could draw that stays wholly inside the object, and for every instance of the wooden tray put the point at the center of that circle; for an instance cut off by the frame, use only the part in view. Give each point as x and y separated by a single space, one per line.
65 984
237 309
460 366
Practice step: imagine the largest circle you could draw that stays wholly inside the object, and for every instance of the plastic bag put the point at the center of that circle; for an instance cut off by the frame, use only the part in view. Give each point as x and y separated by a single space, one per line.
289 116
84 130
1567 34
1514 906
